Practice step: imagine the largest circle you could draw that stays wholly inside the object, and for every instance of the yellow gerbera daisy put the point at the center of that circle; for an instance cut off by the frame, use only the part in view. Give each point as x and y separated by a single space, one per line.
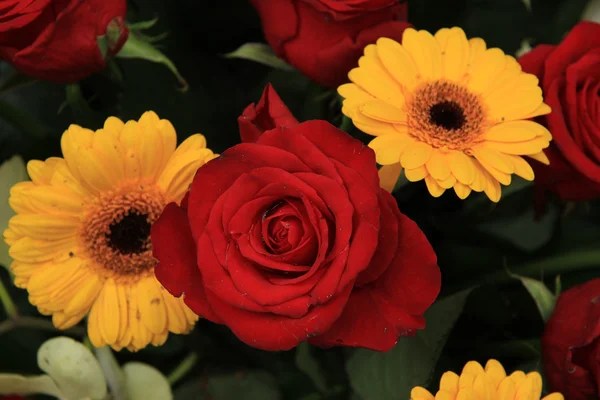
80 239
449 110
491 383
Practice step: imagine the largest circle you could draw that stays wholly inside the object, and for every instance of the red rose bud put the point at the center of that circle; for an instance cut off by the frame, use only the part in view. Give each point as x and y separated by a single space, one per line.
269 113
325 38
569 77
290 239
61 41
571 343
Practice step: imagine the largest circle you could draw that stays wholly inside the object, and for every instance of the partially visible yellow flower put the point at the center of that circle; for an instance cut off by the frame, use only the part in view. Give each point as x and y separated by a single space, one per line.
491 383
449 110
80 240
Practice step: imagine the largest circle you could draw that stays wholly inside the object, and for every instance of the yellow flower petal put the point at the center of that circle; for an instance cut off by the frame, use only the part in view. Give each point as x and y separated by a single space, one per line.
41 172
398 62
514 131
416 174
461 166
151 305
462 191
483 70
44 226
382 111
438 166
495 372
449 382
369 79
448 183
528 147
415 155
388 148
487 156
86 294
541 157
477 48
425 52
434 188
455 54
521 167
419 393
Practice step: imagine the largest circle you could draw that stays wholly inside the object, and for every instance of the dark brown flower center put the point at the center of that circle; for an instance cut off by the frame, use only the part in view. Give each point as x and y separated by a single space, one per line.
447 114
131 234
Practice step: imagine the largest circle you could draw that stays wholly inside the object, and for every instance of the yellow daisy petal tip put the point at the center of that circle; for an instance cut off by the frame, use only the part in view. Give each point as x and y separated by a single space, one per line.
454 95
490 383
71 238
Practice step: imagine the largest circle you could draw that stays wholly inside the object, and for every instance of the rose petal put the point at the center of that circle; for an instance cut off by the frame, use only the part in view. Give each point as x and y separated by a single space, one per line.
175 250
269 113
273 332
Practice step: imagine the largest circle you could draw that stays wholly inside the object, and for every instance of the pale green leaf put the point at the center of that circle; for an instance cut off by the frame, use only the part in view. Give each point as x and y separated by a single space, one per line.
11 172
73 367
592 11
22 385
145 382
137 47
544 299
307 363
392 375
260 53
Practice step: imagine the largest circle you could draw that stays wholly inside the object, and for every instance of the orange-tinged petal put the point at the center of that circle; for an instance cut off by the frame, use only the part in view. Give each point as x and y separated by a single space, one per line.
389 175
449 382
448 183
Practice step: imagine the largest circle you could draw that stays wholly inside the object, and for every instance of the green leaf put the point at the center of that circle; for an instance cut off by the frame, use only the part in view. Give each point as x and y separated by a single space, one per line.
11 172
392 375
522 230
255 385
21 120
308 364
73 367
137 47
260 53
544 299
144 382
21 385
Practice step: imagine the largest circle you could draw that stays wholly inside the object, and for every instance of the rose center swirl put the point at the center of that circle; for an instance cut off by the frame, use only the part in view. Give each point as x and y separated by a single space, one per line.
446 114
115 232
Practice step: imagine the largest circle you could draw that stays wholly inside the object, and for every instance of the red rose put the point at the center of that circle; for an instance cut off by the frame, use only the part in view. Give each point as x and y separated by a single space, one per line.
56 40
290 239
269 113
325 38
570 78
571 343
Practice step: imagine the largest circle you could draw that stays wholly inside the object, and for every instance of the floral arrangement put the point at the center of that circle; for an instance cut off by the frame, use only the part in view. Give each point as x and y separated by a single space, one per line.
388 200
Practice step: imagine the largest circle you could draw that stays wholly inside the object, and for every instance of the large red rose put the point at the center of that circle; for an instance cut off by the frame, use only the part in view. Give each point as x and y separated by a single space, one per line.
571 343
290 239
325 38
570 78
57 40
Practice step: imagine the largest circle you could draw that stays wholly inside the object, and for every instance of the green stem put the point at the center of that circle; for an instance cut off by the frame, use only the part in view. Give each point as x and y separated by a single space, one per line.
8 303
36 323
183 368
